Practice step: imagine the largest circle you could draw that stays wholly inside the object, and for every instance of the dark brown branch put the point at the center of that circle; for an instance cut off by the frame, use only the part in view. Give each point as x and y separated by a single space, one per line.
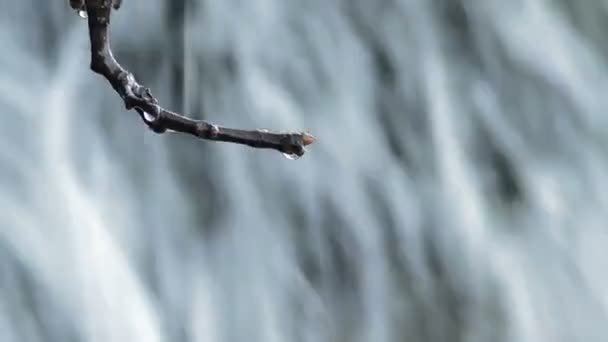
138 97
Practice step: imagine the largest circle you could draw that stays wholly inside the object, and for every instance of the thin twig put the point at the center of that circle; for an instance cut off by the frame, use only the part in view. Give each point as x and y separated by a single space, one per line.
158 119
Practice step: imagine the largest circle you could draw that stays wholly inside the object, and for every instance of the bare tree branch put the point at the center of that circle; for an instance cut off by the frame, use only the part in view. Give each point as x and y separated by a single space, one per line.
158 119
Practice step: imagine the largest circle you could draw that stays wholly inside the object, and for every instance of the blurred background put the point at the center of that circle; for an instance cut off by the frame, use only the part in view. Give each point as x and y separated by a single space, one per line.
457 191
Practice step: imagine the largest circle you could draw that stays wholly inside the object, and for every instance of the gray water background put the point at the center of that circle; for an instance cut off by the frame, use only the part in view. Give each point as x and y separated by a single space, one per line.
457 191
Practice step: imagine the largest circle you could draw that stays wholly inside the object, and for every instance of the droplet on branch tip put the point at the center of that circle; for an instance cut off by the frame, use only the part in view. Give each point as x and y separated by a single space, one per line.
292 156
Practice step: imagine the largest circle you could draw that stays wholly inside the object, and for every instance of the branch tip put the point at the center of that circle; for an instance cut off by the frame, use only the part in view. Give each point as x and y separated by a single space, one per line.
308 139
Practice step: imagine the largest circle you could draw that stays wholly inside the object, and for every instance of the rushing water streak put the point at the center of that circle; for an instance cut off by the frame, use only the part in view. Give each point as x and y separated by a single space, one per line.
456 192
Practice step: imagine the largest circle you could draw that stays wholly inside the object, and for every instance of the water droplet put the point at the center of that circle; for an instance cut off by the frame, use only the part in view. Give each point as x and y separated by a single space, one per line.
82 14
214 131
149 117
291 156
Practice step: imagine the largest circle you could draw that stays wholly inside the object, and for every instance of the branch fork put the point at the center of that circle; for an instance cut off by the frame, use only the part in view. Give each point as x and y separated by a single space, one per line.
157 118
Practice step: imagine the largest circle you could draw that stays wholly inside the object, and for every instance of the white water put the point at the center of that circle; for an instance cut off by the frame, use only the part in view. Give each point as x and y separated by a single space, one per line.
457 191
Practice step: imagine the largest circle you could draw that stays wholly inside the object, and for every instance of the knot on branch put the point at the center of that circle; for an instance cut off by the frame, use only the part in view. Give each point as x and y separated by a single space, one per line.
206 130
137 95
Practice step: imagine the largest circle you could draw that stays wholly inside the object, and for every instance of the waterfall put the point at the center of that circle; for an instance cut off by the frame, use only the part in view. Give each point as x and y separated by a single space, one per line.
456 192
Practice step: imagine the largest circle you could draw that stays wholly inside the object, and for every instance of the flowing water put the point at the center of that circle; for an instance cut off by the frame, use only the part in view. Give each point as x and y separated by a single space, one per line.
457 191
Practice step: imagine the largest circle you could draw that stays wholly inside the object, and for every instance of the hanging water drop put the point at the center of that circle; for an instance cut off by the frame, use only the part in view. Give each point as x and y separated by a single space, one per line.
291 156
149 117
82 13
